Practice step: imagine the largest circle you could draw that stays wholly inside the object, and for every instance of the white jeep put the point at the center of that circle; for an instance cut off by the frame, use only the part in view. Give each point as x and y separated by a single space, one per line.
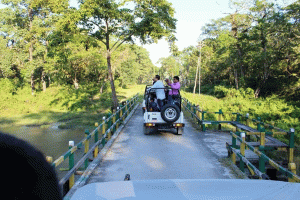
169 116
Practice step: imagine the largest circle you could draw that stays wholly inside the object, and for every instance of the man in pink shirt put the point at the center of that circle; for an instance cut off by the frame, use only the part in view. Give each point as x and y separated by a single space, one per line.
175 86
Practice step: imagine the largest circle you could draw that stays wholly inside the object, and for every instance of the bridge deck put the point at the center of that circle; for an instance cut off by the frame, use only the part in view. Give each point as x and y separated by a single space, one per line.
161 155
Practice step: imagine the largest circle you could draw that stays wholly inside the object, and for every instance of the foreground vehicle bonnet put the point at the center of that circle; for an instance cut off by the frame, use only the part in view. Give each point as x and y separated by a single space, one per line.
176 189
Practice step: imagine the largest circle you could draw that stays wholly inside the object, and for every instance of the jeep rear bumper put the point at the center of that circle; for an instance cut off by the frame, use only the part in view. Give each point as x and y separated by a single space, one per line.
164 125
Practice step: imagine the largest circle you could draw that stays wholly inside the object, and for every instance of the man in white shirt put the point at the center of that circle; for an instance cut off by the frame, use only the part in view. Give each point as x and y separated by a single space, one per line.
160 93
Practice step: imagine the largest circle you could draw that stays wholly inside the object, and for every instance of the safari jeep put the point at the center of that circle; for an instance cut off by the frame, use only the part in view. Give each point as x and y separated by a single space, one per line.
169 116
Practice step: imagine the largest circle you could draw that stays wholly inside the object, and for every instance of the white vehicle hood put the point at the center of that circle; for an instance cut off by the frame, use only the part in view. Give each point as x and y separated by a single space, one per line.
183 189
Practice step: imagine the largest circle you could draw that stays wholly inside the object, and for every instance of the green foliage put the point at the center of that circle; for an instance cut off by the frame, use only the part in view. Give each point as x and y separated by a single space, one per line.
270 109
256 46
58 104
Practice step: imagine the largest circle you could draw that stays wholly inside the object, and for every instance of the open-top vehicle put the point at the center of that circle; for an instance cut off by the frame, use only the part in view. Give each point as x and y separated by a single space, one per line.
169 116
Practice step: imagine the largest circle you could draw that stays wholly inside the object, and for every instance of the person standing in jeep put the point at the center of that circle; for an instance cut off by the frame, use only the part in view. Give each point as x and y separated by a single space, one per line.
160 92
175 87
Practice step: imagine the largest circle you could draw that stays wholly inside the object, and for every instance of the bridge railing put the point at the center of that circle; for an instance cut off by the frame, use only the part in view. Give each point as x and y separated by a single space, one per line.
290 173
263 130
202 117
106 129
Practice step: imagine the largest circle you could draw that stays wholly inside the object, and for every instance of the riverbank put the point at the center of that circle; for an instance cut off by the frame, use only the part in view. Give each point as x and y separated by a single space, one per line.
69 108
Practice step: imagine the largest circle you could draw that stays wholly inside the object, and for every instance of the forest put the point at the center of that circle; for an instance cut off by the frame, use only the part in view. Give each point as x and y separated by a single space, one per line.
56 57
257 47
46 44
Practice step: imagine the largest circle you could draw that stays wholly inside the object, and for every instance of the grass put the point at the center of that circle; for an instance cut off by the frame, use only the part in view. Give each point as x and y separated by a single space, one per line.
60 104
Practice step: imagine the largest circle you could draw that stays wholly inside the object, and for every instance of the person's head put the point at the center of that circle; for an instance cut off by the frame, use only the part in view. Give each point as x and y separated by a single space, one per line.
176 79
36 177
156 78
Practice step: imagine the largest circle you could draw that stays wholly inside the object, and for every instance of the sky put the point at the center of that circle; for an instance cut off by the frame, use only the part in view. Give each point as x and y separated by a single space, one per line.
192 15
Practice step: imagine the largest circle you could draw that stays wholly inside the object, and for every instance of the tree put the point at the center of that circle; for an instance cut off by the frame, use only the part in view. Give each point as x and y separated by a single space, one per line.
115 22
25 23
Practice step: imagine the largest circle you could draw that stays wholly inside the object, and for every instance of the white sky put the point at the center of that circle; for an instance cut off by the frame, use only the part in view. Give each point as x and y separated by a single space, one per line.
191 16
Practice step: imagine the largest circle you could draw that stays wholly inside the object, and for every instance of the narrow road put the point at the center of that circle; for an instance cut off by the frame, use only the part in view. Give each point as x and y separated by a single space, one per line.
162 155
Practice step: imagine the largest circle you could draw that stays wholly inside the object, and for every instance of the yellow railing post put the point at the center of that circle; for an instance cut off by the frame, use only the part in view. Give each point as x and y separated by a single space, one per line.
291 165
109 134
96 140
114 121
242 150
292 168
71 165
103 130
121 114
233 158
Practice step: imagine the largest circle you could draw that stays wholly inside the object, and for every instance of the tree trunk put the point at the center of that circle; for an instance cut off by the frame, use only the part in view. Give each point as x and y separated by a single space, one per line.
111 80
257 91
43 73
200 71
76 84
110 74
196 78
101 88
44 81
236 79
30 51
49 80
32 83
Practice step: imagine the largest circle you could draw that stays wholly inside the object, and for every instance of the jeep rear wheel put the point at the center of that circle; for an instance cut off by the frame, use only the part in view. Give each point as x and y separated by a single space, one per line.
170 113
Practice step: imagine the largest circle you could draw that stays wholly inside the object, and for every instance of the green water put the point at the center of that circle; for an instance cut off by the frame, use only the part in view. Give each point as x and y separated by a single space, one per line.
51 140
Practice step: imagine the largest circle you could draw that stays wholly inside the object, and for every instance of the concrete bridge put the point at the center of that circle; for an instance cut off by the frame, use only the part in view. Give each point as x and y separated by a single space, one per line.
123 151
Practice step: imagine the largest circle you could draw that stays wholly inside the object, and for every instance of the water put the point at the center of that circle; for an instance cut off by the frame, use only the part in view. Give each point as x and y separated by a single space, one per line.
51 140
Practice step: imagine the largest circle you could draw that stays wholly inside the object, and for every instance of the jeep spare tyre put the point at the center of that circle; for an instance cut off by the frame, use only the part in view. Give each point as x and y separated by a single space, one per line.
170 113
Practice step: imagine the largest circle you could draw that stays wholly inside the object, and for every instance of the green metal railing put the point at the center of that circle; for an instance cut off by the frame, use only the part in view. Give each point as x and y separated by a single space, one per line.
232 149
106 129
261 128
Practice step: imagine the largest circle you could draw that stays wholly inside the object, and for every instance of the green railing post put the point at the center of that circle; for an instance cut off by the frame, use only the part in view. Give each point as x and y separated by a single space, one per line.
71 165
233 141
86 148
238 117
203 118
262 161
220 119
258 124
